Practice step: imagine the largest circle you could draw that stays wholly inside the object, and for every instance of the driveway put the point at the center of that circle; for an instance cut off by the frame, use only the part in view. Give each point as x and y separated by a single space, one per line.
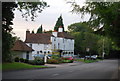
106 69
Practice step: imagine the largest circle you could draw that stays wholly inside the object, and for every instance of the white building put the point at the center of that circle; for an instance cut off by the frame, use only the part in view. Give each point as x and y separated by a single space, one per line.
46 43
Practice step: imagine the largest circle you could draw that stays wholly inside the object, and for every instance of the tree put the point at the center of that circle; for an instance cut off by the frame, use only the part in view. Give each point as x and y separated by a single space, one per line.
104 44
102 14
7 17
40 29
86 38
79 27
33 31
59 23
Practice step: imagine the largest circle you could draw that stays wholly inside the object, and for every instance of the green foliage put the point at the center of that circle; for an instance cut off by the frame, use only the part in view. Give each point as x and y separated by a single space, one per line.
26 60
30 9
17 66
36 62
55 56
52 61
79 27
22 60
105 43
59 23
40 29
17 59
67 61
105 14
7 39
86 38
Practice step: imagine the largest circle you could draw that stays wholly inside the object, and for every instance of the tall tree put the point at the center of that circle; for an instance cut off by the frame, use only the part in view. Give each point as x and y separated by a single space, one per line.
30 9
104 14
40 29
86 38
59 23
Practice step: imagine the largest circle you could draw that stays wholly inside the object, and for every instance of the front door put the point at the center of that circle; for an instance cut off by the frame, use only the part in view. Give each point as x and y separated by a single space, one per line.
27 55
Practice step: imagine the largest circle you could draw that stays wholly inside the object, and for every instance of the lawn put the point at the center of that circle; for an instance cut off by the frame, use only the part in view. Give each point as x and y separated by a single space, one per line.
87 61
18 66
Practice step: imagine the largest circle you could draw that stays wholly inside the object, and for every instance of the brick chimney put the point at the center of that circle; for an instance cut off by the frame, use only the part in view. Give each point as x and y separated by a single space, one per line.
27 33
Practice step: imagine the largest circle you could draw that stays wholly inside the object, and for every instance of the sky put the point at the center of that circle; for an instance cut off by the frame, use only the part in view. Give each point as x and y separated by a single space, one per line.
47 18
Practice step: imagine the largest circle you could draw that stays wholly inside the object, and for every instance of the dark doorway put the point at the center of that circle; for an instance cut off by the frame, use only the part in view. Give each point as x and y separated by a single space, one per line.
27 55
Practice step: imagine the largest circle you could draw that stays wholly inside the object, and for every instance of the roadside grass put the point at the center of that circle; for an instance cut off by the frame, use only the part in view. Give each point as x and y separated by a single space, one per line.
19 66
87 61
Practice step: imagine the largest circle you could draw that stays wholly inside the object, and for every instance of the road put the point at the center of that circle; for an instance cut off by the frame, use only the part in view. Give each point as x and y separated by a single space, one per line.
106 69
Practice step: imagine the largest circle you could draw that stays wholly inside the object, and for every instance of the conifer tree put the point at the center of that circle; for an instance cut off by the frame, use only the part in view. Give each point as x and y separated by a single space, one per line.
59 23
40 29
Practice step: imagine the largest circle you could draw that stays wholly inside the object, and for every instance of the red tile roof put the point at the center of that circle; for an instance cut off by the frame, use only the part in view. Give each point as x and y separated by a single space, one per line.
21 46
65 35
42 38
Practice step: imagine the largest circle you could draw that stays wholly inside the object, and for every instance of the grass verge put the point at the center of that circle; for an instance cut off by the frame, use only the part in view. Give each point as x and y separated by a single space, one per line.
19 66
87 61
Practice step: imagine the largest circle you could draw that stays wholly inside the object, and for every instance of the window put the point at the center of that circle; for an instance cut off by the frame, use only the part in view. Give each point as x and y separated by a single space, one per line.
48 51
40 51
58 45
44 52
27 55
31 45
37 52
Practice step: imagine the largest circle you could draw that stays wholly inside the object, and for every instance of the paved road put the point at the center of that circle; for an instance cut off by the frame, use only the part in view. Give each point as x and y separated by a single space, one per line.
106 69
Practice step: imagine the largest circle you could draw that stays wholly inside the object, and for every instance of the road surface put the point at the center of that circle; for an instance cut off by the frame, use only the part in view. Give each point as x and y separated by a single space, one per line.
106 69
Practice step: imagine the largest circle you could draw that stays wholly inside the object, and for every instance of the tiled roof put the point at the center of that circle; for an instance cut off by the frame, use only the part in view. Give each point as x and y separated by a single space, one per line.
42 38
65 35
21 46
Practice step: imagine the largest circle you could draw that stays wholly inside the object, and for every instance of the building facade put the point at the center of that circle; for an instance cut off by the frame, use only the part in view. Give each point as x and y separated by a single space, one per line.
46 43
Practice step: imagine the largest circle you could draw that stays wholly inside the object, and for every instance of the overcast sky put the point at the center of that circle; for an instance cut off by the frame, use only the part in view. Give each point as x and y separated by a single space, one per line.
47 18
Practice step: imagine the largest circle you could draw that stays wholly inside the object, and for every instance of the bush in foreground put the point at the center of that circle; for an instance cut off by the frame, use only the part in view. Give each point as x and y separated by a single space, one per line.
67 61
36 62
21 60
16 59
52 61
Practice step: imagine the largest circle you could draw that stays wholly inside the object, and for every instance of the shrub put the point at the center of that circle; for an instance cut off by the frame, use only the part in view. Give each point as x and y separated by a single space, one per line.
17 59
32 62
55 57
52 61
99 57
22 60
26 60
67 61
39 62
36 62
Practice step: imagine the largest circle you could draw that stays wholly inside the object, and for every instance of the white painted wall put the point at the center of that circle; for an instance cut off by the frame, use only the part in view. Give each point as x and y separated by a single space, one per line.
40 47
64 44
